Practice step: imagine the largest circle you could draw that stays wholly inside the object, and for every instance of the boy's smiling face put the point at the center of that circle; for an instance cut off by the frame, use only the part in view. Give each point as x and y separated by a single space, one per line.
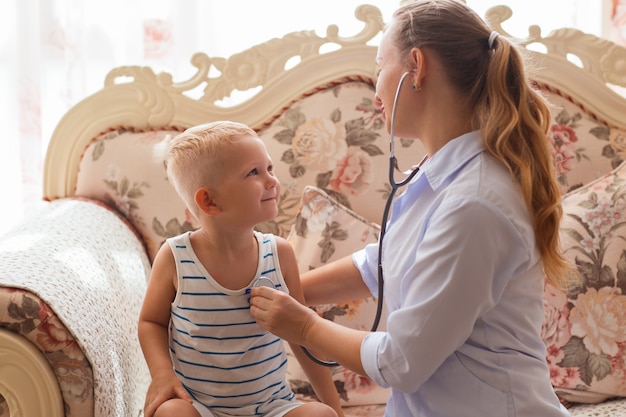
247 189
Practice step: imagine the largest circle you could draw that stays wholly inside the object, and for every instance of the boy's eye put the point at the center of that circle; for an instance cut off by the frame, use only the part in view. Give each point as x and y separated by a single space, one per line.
254 172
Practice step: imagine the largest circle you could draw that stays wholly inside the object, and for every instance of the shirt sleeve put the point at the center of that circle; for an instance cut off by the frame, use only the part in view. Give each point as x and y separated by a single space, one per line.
366 261
468 254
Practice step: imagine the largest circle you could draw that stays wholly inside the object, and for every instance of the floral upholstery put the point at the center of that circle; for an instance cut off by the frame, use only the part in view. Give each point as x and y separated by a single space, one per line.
325 230
585 329
583 147
29 316
121 169
336 141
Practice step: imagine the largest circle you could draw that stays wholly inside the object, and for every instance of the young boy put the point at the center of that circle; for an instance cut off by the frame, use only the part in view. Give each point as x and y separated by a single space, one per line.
206 354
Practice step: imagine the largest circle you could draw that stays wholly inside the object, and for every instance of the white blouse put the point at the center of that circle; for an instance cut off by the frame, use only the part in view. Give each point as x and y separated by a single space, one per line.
463 288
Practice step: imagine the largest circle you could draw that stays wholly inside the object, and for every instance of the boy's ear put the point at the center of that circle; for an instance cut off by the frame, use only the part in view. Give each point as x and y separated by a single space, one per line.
205 202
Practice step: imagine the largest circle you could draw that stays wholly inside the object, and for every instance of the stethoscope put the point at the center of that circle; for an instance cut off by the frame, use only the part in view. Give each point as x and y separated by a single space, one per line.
261 281
393 165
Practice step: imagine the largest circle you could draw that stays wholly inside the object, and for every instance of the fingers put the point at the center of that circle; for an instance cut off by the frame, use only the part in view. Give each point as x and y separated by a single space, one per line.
149 408
265 306
153 402
280 314
258 294
261 300
258 304
183 394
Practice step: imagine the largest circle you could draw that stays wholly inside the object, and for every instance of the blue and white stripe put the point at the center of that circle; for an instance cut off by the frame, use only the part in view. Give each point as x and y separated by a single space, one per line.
225 360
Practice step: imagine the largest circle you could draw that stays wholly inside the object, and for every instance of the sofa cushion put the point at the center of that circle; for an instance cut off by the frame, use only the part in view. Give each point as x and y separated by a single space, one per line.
585 328
324 231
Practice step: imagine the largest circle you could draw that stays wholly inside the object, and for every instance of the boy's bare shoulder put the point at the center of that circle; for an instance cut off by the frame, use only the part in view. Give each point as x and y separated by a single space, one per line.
284 247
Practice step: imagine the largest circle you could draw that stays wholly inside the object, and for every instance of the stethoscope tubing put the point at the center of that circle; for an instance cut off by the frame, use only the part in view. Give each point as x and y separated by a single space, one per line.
393 165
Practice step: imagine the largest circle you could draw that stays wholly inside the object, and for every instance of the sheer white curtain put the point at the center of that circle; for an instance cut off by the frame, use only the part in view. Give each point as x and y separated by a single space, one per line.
53 53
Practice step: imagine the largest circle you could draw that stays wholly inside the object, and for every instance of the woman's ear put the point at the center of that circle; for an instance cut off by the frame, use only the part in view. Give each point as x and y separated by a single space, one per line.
205 202
419 65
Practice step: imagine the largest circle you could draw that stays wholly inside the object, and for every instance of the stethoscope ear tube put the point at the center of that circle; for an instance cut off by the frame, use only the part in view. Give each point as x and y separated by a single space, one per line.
393 163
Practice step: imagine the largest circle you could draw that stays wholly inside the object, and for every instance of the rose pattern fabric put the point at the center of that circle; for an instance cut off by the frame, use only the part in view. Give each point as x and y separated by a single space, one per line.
336 141
563 137
352 173
585 329
598 318
324 230
31 317
125 170
317 144
583 149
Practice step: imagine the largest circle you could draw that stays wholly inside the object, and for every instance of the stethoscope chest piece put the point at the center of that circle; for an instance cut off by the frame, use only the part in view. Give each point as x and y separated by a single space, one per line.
263 281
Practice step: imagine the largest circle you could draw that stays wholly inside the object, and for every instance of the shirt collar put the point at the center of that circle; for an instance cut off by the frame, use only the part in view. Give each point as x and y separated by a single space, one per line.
452 157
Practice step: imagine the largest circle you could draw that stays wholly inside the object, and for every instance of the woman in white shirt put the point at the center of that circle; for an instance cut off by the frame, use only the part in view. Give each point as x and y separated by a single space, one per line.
470 241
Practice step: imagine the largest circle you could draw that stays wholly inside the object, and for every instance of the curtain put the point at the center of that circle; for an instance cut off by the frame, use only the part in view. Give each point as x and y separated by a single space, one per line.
53 53
618 22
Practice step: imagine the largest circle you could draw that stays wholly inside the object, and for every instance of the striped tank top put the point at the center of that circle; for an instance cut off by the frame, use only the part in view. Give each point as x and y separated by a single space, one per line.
222 356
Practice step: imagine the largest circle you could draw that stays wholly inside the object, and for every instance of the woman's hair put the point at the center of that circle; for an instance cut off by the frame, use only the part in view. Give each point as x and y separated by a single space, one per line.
512 117
193 157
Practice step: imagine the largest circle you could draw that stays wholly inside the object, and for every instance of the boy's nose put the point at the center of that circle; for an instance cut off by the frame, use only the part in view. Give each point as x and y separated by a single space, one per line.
272 183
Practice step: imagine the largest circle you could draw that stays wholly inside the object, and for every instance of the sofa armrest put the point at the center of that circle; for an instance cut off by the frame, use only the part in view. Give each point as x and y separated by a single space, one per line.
28 387
72 280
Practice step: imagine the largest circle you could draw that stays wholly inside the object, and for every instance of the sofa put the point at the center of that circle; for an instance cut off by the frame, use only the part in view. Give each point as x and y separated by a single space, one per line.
72 276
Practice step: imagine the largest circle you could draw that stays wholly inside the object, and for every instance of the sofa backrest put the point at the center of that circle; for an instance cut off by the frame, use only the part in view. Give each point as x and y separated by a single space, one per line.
103 148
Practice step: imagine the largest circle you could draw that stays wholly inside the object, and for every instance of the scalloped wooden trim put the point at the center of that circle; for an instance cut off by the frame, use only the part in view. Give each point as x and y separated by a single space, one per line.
27 382
602 62
154 101
581 105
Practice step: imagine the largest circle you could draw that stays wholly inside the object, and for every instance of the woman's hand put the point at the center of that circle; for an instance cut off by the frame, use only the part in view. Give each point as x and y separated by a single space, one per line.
281 314
284 316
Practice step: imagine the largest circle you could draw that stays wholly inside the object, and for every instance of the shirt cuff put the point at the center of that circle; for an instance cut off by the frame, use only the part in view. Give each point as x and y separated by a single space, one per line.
363 260
369 357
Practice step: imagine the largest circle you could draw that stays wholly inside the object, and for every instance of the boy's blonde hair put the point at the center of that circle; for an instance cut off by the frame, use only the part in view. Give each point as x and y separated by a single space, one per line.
193 157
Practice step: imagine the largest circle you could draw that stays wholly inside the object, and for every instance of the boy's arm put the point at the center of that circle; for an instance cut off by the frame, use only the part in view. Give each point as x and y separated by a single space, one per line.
319 376
153 332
